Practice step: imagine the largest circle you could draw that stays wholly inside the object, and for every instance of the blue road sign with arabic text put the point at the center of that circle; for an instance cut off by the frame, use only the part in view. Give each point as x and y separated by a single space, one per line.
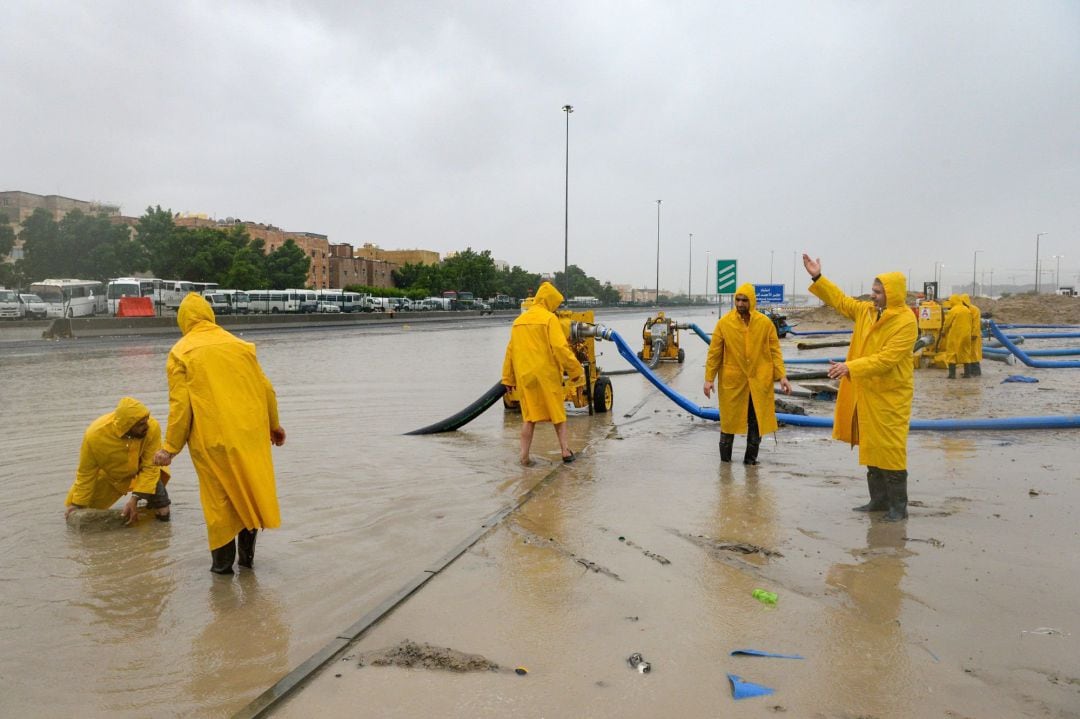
769 295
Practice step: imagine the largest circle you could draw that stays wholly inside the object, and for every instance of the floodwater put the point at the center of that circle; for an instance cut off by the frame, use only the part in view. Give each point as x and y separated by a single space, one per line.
950 613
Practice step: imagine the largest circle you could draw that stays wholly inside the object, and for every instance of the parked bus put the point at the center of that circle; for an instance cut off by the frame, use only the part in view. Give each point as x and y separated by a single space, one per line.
203 287
307 299
347 301
173 292
239 303
72 298
272 302
134 287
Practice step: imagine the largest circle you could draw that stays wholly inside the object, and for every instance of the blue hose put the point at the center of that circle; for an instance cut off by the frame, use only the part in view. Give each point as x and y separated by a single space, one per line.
1024 356
807 333
1061 352
1028 327
798 420
1045 335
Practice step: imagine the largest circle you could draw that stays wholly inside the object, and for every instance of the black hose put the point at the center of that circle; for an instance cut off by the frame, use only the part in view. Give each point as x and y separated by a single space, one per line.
466 415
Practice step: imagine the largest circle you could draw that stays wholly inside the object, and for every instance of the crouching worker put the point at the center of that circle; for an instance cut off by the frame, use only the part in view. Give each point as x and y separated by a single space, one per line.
224 409
117 457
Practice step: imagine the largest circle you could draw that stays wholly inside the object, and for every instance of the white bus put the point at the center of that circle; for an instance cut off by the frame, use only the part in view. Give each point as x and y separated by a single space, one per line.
347 301
307 299
134 287
273 302
71 298
173 292
239 303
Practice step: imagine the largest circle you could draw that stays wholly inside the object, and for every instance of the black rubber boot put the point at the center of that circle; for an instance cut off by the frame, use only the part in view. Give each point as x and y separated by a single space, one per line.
952 371
968 371
753 443
878 498
976 367
753 436
896 492
727 442
223 558
245 547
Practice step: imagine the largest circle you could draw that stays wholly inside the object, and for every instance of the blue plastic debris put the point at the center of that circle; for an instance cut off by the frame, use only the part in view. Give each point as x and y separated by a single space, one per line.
760 653
1018 378
745 690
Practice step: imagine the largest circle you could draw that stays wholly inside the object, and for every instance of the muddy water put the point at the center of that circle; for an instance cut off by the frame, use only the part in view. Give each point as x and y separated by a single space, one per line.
132 623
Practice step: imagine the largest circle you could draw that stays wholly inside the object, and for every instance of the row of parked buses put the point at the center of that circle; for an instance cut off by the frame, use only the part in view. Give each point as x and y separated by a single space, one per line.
84 298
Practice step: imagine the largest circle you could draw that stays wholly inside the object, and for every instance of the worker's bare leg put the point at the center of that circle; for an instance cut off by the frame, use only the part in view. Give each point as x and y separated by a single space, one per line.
560 432
527 429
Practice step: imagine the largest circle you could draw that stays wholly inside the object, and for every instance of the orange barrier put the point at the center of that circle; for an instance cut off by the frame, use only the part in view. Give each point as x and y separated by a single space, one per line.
135 307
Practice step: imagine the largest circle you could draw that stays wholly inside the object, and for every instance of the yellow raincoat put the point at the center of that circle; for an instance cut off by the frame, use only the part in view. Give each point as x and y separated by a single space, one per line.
873 406
536 358
222 406
749 361
110 465
957 330
976 329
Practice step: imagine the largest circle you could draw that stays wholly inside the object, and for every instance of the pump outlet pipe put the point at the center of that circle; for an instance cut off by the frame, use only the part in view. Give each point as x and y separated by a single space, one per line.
1024 356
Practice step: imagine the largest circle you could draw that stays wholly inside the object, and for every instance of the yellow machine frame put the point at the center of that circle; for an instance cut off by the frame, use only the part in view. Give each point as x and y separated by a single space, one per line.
595 392
671 350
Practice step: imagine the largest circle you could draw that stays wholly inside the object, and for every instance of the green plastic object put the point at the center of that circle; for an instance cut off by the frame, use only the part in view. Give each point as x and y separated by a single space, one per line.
765 597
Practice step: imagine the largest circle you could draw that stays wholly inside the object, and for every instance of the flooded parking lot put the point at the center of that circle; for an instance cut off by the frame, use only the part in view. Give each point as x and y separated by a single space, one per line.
131 622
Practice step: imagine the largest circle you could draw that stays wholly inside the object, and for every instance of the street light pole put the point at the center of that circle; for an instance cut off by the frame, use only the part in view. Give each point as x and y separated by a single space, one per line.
708 261
772 254
1037 236
566 204
690 270
974 261
1057 272
658 252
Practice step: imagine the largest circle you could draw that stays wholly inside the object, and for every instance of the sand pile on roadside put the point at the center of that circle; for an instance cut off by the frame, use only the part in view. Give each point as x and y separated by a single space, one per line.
1020 309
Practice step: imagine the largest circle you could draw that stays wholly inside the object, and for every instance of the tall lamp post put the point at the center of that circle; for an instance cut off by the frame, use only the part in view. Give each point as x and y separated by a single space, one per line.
974 261
1037 236
566 204
658 252
938 264
708 261
689 271
1057 272
772 256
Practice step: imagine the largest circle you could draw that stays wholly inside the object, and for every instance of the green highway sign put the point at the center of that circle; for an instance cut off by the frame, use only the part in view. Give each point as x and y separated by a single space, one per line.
725 277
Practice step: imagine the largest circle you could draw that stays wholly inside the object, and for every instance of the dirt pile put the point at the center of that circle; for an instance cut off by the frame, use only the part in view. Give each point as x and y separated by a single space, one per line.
1018 309
410 654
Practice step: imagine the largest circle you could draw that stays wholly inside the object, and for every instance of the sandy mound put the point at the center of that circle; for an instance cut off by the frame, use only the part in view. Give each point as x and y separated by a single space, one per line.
424 656
93 520
1018 309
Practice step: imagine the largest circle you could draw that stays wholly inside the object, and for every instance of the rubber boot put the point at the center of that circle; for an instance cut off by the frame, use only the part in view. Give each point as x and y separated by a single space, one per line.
878 498
753 443
245 547
223 558
968 372
976 367
896 492
952 371
727 442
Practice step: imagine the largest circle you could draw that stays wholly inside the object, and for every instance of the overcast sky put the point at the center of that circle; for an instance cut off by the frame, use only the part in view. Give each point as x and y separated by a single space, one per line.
879 136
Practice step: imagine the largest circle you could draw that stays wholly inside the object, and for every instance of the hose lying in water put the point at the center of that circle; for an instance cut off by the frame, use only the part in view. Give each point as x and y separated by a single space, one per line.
808 333
821 345
466 415
795 420
1024 356
1046 335
798 360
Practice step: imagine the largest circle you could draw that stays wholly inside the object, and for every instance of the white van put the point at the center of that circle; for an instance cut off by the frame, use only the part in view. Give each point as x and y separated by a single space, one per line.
238 301
218 302
11 307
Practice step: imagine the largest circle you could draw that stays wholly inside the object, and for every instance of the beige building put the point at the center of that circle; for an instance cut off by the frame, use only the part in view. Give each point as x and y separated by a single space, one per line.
369 251
18 206
348 269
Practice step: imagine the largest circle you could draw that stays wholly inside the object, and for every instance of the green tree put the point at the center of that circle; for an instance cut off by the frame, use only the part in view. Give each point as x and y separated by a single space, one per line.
248 270
41 245
164 242
519 283
287 266
7 235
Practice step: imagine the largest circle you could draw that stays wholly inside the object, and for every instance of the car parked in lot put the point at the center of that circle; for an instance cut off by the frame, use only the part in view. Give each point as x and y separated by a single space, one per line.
328 307
34 308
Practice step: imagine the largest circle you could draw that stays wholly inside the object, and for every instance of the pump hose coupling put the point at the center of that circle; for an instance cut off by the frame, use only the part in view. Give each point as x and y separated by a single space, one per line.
581 330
